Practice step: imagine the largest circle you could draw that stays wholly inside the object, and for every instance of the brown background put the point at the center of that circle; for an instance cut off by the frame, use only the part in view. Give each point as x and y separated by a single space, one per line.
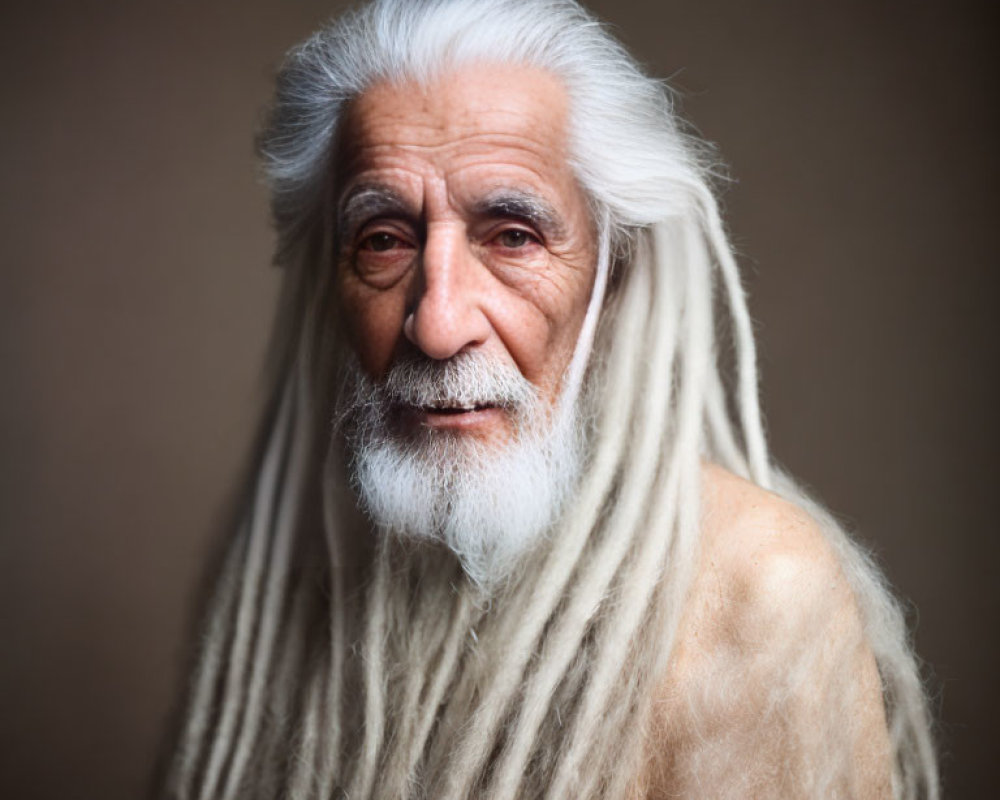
135 300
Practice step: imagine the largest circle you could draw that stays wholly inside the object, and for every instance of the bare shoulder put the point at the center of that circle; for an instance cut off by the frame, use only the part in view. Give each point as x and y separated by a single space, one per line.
765 567
767 558
772 689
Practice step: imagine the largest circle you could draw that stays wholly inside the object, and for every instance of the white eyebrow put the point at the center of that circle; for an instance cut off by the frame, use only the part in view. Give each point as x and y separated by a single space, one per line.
521 205
364 202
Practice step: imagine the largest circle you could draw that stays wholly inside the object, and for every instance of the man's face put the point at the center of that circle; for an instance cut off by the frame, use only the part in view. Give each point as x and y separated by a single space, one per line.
462 230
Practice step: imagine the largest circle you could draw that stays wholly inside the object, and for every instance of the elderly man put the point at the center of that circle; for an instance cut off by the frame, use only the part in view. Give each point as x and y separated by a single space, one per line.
512 532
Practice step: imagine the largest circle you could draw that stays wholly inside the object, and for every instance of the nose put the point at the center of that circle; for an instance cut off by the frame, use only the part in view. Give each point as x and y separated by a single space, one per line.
447 314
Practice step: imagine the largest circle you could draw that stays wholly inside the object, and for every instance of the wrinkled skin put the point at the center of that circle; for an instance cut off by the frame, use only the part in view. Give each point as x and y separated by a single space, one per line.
462 227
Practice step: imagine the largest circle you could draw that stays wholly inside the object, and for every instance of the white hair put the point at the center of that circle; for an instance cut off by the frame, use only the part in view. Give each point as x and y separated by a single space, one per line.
403 681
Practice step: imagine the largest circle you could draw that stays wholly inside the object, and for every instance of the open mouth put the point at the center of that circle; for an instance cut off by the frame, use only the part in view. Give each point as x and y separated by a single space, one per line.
456 409
451 416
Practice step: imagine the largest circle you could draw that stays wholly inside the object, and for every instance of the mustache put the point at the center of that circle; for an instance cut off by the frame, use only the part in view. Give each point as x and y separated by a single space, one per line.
466 380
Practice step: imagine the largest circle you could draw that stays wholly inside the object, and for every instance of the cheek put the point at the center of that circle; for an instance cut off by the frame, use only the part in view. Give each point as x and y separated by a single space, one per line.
565 324
373 322
540 335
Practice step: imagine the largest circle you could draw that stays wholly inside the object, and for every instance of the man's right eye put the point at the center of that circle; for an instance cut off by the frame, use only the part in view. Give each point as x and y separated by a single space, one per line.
380 242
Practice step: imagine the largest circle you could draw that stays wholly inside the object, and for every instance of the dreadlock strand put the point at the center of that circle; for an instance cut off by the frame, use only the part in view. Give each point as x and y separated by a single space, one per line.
468 759
658 529
279 562
563 640
258 529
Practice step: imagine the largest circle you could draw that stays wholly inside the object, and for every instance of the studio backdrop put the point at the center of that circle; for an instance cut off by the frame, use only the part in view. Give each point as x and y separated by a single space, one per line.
136 297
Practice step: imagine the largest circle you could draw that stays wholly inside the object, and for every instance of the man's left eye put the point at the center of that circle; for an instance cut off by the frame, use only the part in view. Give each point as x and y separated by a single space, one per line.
515 238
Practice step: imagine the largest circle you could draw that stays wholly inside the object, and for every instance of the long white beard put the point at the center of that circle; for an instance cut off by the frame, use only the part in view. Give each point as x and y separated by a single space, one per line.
489 502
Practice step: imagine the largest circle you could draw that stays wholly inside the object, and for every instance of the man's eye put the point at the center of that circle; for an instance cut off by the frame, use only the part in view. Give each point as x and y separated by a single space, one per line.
514 238
380 242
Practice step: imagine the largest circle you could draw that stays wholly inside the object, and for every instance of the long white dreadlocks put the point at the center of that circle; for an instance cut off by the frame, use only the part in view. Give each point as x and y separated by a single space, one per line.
320 679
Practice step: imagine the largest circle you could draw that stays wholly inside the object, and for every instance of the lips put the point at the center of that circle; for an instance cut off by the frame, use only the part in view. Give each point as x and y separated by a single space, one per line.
471 418
456 409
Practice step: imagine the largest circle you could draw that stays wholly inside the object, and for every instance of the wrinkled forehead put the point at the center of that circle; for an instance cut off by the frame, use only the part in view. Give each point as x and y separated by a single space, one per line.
462 101
477 120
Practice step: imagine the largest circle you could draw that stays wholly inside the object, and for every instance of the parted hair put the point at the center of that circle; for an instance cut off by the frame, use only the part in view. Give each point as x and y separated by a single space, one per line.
337 668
